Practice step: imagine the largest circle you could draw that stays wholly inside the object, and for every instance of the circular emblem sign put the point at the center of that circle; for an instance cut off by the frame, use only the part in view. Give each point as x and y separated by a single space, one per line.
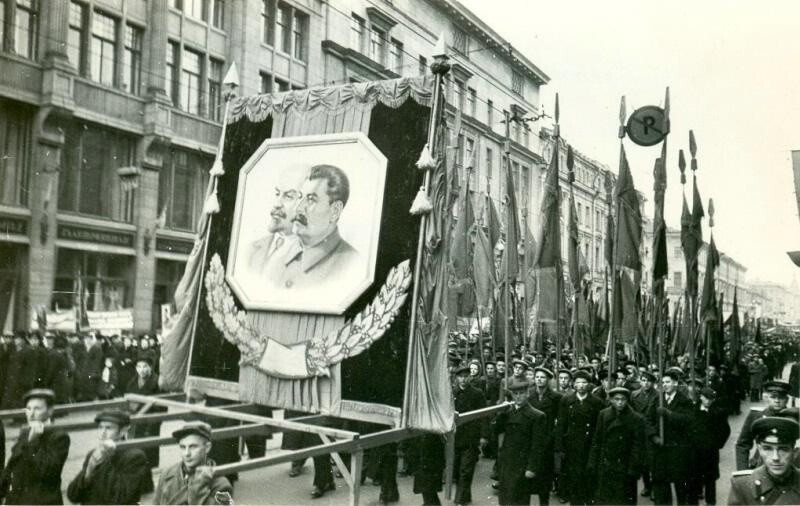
646 126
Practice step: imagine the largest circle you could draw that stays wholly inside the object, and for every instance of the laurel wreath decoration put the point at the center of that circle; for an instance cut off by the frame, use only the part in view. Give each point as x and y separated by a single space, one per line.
322 351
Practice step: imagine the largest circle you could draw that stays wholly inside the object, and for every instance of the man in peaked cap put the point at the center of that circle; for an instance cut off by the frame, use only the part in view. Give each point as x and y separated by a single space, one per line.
110 475
777 481
192 481
543 398
777 398
469 436
33 471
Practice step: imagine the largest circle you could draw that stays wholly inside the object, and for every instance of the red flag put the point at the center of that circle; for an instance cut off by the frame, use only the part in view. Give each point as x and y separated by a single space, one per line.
510 265
660 262
708 301
629 218
548 256
573 247
483 267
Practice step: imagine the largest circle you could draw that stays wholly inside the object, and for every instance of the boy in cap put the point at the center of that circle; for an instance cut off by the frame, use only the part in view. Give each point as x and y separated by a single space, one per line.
777 398
618 450
146 383
777 481
33 472
192 481
110 475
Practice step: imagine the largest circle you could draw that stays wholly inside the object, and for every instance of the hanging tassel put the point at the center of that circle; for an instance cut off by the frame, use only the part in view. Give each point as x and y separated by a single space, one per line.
217 169
421 204
426 160
211 205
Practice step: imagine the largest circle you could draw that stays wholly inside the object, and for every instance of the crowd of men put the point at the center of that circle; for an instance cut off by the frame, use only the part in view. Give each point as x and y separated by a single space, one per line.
77 367
572 430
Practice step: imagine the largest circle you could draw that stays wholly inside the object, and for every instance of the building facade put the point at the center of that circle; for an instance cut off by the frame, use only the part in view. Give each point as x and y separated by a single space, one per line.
110 117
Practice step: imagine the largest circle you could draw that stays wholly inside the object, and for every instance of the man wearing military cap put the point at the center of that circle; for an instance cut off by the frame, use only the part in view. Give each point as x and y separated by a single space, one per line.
469 436
33 471
577 417
192 481
617 456
110 475
776 481
777 398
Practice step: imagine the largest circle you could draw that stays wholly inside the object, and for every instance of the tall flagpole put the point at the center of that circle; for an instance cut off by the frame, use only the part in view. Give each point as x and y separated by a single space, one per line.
559 270
508 252
661 325
577 347
612 342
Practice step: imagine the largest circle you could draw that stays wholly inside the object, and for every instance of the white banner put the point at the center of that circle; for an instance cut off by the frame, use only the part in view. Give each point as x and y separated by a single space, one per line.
56 320
110 320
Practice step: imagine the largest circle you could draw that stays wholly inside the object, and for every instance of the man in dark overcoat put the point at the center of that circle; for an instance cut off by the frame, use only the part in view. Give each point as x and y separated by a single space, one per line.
672 454
20 377
617 454
543 398
146 383
577 417
645 401
521 459
429 467
110 475
710 431
469 436
33 472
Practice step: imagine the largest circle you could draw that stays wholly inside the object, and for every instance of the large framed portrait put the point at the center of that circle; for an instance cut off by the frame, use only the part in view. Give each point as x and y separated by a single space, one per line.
306 223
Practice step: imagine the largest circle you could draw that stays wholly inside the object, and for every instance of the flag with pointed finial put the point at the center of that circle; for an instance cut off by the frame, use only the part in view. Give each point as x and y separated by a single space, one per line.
483 267
510 265
736 329
547 261
573 247
708 300
629 218
660 262
530 276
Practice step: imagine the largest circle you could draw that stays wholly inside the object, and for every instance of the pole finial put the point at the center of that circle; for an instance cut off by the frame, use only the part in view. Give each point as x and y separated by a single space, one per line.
570 165
557 110
682 166
666 125
711 212
622 116
693 150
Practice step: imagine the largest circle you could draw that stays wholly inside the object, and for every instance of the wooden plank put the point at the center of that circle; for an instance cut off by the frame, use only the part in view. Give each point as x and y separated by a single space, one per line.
61 409
356 460
480 413
216 434
339 463
284 424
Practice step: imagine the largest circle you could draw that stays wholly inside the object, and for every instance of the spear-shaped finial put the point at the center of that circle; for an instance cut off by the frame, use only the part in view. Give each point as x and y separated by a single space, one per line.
622 116
682 166
570 165
693 150
665 126
710 212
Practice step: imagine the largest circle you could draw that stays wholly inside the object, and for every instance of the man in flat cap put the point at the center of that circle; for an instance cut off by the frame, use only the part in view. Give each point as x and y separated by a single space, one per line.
521 458
776 481
192 481
709 432
618 450
110 475
777 398
146 383
577 417
672 454
543 398
33 472
469 436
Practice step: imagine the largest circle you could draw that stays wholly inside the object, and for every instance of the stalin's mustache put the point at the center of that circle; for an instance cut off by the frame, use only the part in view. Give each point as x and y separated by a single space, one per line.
301 219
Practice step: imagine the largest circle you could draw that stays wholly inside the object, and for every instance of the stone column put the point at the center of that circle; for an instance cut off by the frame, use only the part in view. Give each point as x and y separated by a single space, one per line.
156 67
56 14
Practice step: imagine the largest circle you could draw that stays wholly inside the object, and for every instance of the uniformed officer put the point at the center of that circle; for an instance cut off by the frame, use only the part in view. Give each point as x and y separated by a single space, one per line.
777 481
777 398
110 475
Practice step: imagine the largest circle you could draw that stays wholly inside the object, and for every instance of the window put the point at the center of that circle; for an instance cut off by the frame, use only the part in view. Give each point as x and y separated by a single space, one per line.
89 183
460 40
357 28
218 14
525 185
25 29
299 30
677 279
396 56
490 113
282 30
517 83
94 281
489 162
472 102
132 63
196 9
215 89
191 66
282 85
266 82
423 65
75 40
376 45
104 42
15 142
172 72
469 147
677 252
596 258
181 187
458 89
580 209
267 16
526 136
176 4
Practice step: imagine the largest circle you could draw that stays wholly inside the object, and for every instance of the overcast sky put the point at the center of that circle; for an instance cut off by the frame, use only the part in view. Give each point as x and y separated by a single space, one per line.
733 68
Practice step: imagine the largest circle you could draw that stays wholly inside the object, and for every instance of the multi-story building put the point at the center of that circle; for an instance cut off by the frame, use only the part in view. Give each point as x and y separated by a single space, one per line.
778 302
110 116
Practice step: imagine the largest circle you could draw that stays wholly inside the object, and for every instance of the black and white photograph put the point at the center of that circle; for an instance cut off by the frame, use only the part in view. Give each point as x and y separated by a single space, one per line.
400 252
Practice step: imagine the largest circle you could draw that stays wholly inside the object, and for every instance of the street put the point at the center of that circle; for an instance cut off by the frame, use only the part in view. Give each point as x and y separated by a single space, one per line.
273 486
